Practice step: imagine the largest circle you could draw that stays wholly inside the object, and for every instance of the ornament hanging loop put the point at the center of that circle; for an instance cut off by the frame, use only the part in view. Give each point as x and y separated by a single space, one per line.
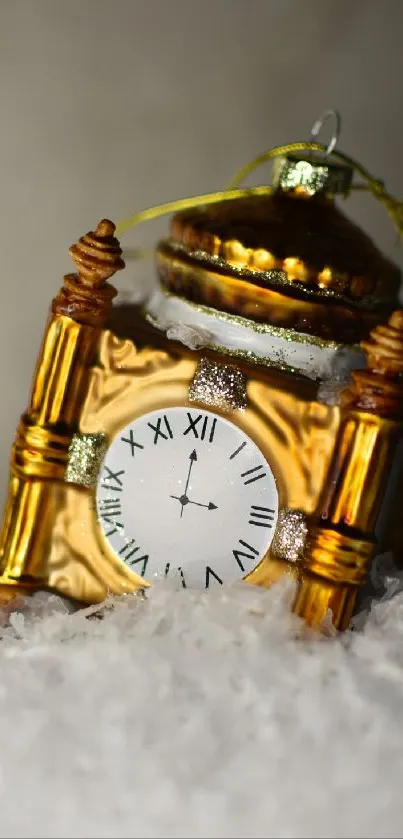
333 115
234 191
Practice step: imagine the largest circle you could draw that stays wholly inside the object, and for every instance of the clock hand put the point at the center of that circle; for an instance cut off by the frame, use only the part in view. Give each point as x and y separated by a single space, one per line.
185 500
192 458
209 506
182 498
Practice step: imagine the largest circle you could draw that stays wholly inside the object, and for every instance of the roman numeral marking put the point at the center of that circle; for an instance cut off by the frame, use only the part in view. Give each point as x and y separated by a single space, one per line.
157 429
251 553
109 509
194 421
258 473
114 477
144 559
128 550
239 449
132 443
210 574
180 572
261 516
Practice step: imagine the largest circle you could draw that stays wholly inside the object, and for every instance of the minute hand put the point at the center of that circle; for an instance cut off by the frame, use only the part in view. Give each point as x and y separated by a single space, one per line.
192 458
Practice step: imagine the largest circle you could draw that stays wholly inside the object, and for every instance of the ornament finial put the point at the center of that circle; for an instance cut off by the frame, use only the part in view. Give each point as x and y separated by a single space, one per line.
86 296
378 388
384 347
98 255
105 227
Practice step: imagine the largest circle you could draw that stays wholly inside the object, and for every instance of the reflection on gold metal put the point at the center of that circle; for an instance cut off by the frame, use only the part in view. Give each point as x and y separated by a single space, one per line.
275 233
330 462
341 543
218 385
51 535
312 314
87 385
40 452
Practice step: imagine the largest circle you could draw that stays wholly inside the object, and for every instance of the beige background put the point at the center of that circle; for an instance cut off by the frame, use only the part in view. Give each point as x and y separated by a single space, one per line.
107 107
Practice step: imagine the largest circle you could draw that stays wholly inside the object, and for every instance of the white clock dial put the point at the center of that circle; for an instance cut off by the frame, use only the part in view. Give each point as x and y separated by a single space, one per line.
186 491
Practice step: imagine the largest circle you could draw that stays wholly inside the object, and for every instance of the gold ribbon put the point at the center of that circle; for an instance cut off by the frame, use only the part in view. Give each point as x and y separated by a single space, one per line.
376 187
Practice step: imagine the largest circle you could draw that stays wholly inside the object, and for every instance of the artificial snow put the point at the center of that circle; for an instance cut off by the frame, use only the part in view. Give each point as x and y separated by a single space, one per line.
210 714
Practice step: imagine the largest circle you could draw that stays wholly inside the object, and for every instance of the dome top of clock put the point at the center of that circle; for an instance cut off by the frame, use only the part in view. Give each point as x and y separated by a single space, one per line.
289 256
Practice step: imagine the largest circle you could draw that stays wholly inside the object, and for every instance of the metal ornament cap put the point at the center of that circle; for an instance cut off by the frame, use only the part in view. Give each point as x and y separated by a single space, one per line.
311 174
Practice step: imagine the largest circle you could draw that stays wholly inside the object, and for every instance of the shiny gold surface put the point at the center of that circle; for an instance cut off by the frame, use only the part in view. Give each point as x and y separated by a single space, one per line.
40 453
319 603
51 533
10 592
364 440
289 429
205 284
342 543
310 240
330 464
295 435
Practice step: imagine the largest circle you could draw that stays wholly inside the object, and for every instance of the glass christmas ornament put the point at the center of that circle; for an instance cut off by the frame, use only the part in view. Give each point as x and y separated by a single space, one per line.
239 423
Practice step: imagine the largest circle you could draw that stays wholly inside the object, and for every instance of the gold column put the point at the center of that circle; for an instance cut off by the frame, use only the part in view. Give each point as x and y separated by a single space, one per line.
342 543
40 452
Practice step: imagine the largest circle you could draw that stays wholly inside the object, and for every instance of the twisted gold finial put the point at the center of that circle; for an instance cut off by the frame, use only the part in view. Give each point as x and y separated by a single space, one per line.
97 255
378 389
384 347
86 297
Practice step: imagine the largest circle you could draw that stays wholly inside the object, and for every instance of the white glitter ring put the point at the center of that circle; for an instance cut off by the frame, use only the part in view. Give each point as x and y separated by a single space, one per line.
200 326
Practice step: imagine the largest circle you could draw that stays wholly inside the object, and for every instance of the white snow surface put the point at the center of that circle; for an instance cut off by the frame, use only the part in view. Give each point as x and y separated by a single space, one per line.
210 714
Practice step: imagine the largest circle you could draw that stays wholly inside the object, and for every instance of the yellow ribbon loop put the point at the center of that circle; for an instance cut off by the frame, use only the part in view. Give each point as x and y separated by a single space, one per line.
393 206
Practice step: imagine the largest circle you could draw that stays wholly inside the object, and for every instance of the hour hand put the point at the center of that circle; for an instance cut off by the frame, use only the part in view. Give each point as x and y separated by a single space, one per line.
209 506
185 500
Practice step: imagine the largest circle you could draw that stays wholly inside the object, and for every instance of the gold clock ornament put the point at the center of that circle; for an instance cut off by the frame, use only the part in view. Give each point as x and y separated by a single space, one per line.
239 423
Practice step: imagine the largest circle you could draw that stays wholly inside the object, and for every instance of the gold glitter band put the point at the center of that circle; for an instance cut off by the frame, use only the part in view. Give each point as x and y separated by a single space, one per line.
266 345
290 536
260 328
277 277
219 386
85 456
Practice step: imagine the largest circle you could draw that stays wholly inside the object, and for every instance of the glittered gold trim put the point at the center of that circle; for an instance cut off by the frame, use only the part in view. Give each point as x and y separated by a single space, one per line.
219 385
277 277
86 452
290 335
254 358
290 536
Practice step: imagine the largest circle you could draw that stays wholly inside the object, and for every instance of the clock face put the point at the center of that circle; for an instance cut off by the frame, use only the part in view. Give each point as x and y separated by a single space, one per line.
186 492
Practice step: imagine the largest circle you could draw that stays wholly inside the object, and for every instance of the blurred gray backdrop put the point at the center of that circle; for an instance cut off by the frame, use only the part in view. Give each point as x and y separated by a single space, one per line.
108 106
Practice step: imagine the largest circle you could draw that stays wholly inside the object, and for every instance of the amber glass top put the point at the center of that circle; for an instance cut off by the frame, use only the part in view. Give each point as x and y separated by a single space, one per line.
289 237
